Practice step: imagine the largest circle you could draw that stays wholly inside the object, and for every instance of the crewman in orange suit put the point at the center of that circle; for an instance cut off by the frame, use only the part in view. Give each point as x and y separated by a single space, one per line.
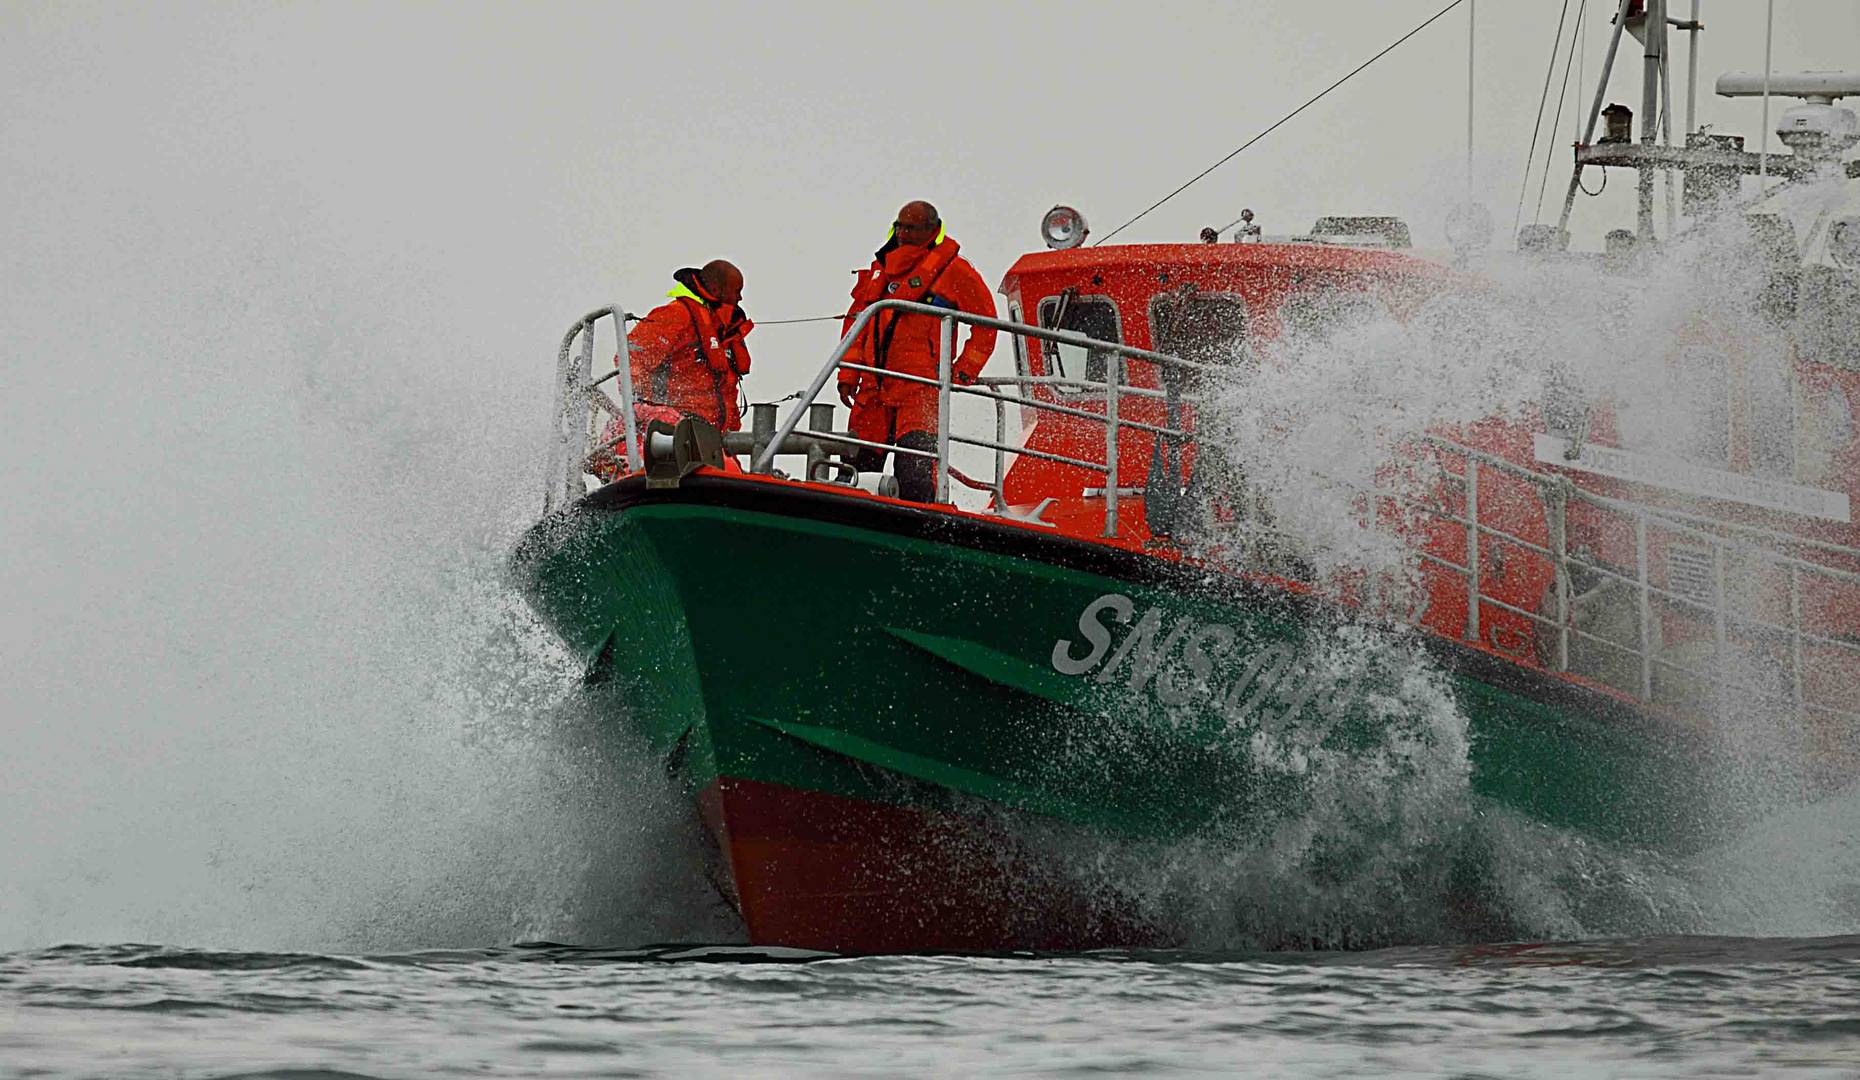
689 355
918 262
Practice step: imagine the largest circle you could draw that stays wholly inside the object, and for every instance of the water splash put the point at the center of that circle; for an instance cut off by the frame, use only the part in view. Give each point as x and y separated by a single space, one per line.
1389 843
267 687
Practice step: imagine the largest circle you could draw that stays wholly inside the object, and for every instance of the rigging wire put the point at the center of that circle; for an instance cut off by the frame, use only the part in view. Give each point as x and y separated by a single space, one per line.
790 322
1556 45
1279 123
1562 95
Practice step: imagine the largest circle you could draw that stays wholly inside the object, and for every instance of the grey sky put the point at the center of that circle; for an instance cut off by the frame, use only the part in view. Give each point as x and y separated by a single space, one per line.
539 160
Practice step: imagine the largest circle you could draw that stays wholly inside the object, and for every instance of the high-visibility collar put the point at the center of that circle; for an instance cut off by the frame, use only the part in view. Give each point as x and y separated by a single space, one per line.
891 234
681 291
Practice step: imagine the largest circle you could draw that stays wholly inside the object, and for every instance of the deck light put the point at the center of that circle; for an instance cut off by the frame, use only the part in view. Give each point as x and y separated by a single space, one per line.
1063 227
1620 128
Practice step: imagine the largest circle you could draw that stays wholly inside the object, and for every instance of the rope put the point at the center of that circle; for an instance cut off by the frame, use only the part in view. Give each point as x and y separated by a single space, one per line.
1556 44
791 322
1279 123
968 481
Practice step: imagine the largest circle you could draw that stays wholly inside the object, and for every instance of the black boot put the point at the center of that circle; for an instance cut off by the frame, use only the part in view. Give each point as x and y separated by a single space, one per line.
916 475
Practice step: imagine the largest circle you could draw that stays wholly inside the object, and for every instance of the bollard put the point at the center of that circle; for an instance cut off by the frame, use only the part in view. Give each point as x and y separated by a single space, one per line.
762 432
819 418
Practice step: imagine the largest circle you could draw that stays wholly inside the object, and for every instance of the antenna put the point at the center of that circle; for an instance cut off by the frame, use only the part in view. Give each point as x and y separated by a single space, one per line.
1769 66
1815 131
1472 23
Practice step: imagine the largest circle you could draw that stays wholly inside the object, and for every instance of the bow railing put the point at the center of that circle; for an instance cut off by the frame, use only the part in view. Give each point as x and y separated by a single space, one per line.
997 391
584 408
1790 621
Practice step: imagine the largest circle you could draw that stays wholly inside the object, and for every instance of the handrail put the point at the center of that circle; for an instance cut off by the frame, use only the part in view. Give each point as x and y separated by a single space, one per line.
1721 537
572 383
1774 553
1681 519
948 317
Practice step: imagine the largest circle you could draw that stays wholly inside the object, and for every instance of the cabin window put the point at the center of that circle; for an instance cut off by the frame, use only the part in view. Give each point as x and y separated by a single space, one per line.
1702 392
1688 415
1774 250
1093 316
1318 314
1565 405
1770 393
1830 316
1840 419
1203 327
1020 343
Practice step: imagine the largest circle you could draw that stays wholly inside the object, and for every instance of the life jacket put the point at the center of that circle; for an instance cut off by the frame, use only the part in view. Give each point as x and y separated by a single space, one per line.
709 353
917 282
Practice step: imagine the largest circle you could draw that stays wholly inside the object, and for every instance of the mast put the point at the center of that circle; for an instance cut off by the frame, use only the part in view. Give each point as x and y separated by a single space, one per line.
1692 71
1595 112
1653 53
1654 150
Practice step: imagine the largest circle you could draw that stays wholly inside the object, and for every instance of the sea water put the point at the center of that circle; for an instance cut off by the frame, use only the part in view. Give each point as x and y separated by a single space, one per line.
1657 1006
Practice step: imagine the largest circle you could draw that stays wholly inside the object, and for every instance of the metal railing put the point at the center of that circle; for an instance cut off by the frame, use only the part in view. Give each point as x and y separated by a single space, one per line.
991 389
582 401
1804 564
1768 557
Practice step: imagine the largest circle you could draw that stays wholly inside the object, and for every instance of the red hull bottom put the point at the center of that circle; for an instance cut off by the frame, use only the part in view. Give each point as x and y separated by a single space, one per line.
818 871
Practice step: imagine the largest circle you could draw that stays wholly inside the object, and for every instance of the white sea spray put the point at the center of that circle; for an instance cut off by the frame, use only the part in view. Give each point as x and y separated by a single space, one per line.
1336 406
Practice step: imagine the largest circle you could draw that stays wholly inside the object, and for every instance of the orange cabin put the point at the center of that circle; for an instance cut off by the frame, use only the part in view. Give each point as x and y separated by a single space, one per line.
1211 302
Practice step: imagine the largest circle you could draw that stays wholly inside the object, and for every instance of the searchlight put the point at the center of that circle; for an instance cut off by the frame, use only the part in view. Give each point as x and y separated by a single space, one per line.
1063 227
1844 242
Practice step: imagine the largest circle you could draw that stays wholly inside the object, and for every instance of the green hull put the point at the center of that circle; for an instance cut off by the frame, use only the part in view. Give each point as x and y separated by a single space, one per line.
859 648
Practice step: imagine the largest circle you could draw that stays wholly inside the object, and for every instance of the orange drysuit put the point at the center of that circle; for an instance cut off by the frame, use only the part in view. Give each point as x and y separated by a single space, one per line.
884 410
688 357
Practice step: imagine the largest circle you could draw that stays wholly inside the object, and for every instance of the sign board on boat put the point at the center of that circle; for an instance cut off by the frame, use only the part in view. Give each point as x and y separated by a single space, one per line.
1684 476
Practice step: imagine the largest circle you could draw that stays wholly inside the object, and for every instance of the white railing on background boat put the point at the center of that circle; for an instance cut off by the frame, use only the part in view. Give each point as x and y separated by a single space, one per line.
1725 541
583 403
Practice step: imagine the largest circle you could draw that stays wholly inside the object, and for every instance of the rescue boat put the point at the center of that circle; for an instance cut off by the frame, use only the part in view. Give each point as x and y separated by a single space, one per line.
882 709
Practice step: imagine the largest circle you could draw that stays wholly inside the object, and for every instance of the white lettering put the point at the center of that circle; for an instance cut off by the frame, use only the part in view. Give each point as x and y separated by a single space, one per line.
1302 690
1148 663
1095 632
1265 670
1141 639
1178 664
1209 643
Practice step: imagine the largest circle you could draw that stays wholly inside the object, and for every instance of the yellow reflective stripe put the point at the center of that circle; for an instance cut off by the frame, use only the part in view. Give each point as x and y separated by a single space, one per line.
681 291
942 231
